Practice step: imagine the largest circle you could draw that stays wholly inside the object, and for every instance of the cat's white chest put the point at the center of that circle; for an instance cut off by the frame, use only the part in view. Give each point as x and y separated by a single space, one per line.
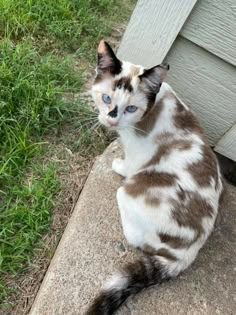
138 150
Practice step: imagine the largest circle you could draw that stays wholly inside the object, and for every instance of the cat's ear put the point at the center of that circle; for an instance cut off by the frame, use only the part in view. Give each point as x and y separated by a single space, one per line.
152 79
107 62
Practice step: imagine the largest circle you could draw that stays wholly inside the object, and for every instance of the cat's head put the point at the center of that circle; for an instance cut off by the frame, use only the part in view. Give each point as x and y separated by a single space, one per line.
124 93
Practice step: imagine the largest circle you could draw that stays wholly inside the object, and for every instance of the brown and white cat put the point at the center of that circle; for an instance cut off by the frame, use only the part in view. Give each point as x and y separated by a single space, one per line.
169 201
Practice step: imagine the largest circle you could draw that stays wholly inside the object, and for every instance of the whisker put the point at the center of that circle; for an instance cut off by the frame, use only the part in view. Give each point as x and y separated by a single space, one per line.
86 124
90 115
84 118
95 118
134 128
95 126
90 119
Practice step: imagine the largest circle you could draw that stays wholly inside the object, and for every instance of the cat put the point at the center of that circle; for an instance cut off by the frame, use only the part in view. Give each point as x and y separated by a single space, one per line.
173 186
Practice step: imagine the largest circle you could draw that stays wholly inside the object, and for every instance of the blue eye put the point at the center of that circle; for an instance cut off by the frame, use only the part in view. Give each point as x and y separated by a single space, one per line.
131 108
106 98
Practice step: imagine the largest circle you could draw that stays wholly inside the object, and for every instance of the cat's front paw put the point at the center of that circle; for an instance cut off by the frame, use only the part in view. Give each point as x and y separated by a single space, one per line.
118 166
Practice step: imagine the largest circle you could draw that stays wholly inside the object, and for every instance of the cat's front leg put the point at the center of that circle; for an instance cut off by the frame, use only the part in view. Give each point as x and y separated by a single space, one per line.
131 224
118 166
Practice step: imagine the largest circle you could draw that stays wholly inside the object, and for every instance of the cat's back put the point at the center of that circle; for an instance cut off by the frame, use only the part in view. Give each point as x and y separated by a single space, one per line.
183 150
183 166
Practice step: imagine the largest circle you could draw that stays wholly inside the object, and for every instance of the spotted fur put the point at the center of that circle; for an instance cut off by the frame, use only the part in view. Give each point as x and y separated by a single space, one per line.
170 198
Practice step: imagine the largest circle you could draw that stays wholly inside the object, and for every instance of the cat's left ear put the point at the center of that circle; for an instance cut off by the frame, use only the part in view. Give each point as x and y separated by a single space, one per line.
107 62
152 79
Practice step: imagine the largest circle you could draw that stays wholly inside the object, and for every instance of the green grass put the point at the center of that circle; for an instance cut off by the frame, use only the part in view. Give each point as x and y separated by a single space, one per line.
31 86
44 45
72 24
25 217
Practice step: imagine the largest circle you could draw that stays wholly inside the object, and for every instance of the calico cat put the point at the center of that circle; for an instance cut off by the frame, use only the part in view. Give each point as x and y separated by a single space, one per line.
170 198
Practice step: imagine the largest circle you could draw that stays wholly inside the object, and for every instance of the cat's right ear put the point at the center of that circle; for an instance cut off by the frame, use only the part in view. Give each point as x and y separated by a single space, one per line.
107 62
151 79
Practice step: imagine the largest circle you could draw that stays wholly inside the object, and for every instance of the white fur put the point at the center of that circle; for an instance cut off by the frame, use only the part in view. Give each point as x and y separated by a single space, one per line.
134 157
121 98
117 281
119 167
142 222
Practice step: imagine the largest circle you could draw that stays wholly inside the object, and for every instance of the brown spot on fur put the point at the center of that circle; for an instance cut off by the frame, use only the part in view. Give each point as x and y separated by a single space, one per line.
141 182
191 212
149 250
151 115
149 118
205 169
167 148
123 82
174 241
181 194
185 119
153 201
166 254
165 136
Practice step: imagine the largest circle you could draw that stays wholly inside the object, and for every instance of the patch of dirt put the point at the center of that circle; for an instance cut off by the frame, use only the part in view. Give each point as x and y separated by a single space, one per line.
73 172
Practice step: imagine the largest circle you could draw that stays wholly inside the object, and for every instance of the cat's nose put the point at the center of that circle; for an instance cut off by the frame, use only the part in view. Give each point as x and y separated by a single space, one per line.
113 123
113 113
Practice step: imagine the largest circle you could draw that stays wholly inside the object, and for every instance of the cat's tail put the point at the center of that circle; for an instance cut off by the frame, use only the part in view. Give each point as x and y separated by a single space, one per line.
132 279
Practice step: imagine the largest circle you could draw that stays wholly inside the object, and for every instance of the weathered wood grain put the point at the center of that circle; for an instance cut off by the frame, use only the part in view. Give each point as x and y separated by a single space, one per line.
227 144
206 83
212 25
152 29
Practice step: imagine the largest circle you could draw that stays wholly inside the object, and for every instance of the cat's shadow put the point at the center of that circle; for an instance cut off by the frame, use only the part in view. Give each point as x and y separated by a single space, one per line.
228 168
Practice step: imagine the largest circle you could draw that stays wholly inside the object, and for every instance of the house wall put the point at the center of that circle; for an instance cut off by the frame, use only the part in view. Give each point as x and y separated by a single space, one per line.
198 39
206 83
212 25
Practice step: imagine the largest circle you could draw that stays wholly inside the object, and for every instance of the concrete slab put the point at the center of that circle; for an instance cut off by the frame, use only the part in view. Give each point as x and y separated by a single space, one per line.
93 247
